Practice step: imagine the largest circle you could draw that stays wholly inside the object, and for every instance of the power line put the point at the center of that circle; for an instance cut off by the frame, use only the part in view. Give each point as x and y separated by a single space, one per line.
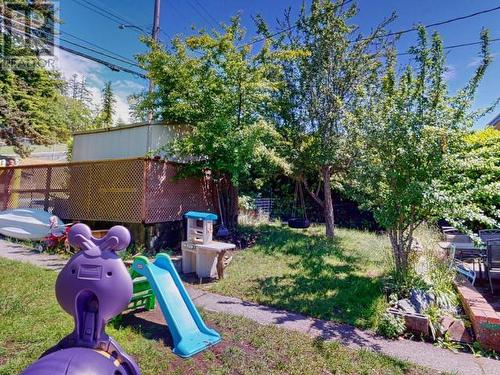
96 45
113 13
103 13
456 46
112 66
389 34
281 31
440 23
199 13
75 37
120 58
202 7
108 64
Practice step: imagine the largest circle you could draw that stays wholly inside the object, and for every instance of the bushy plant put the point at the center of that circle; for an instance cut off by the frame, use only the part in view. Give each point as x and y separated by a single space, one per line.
472 181
413 124
391 325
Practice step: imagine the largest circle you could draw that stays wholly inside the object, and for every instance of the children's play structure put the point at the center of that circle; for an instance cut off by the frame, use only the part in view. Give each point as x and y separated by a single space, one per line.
189 332
200 253
95 286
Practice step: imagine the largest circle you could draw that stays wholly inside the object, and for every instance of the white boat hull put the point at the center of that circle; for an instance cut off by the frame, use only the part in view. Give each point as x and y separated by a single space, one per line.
28 224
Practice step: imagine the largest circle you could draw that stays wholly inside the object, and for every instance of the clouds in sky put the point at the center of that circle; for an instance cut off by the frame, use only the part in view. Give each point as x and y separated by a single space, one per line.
94 74
450 73
474 63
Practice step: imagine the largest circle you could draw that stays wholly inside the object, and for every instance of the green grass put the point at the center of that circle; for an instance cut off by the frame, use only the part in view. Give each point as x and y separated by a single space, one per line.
302 271
31 321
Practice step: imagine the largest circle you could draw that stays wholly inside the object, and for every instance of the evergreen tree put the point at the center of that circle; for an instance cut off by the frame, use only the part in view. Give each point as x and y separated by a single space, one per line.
31 96
105 117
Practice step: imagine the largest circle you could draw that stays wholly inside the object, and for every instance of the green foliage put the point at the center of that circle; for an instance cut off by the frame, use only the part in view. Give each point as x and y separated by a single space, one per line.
471 181
412 125
478 351
32 104
325 76
391 326
246 203
222 90
446 343
105 116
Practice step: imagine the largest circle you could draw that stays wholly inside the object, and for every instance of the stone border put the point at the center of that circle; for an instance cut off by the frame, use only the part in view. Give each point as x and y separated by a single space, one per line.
485 320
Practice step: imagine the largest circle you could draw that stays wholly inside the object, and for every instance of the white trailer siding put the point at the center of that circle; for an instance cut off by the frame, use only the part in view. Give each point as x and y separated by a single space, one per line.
129 141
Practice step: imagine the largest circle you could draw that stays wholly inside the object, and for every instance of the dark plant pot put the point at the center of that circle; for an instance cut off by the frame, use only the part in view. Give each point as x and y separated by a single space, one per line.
299 223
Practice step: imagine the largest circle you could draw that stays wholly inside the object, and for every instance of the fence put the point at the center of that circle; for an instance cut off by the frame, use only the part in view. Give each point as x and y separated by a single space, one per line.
264 206
126 190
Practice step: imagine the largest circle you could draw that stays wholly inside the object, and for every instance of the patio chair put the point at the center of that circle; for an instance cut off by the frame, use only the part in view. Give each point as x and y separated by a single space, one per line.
450 230
457 238
489 235
461 267
492 260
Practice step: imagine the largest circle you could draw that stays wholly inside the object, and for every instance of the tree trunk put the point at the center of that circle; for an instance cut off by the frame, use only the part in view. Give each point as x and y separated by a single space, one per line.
228 194
328 203
401 246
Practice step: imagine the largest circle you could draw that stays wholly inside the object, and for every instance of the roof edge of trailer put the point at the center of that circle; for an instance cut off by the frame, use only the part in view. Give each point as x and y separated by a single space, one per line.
126 126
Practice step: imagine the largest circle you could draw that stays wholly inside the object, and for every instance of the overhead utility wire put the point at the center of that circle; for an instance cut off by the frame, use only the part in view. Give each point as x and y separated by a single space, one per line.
391 33
112 66
103 14
456 46
281 31
401 32
202 7
199 13
113 12
128 60
124 59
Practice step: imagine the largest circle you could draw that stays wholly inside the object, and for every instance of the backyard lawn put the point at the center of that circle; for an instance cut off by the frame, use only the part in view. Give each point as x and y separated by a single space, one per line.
31 321
302 271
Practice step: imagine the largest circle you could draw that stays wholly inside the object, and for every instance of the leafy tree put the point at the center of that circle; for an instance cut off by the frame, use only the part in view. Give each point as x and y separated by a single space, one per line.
471 182
31 100
221 89
325 85
105 117
413 125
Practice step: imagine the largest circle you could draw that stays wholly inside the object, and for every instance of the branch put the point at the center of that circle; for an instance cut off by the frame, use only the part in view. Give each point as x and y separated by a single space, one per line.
311 193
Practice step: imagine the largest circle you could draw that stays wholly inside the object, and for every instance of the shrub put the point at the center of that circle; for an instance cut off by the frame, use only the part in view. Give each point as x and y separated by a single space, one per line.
391 326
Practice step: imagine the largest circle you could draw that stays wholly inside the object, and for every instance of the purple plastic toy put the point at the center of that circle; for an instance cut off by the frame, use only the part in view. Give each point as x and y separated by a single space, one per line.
93 287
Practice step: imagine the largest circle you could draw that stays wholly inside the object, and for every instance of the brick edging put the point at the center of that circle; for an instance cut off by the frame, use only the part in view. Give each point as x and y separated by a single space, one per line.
485 320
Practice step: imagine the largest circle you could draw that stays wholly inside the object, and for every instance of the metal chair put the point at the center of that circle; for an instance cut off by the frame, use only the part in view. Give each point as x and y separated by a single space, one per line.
489 235
450 230
492 260
461 267
457 238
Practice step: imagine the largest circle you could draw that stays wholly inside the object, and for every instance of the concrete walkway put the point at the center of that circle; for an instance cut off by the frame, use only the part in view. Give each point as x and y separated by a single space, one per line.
21 253
421 353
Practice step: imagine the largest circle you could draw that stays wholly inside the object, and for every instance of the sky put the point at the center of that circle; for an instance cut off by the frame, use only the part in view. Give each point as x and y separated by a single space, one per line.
179 17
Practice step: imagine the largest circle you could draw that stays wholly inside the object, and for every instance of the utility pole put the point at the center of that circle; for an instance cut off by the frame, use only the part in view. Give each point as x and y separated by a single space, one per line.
156 22
155 33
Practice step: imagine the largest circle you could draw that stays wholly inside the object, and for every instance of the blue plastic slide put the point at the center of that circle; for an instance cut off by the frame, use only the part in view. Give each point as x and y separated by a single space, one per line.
189 332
